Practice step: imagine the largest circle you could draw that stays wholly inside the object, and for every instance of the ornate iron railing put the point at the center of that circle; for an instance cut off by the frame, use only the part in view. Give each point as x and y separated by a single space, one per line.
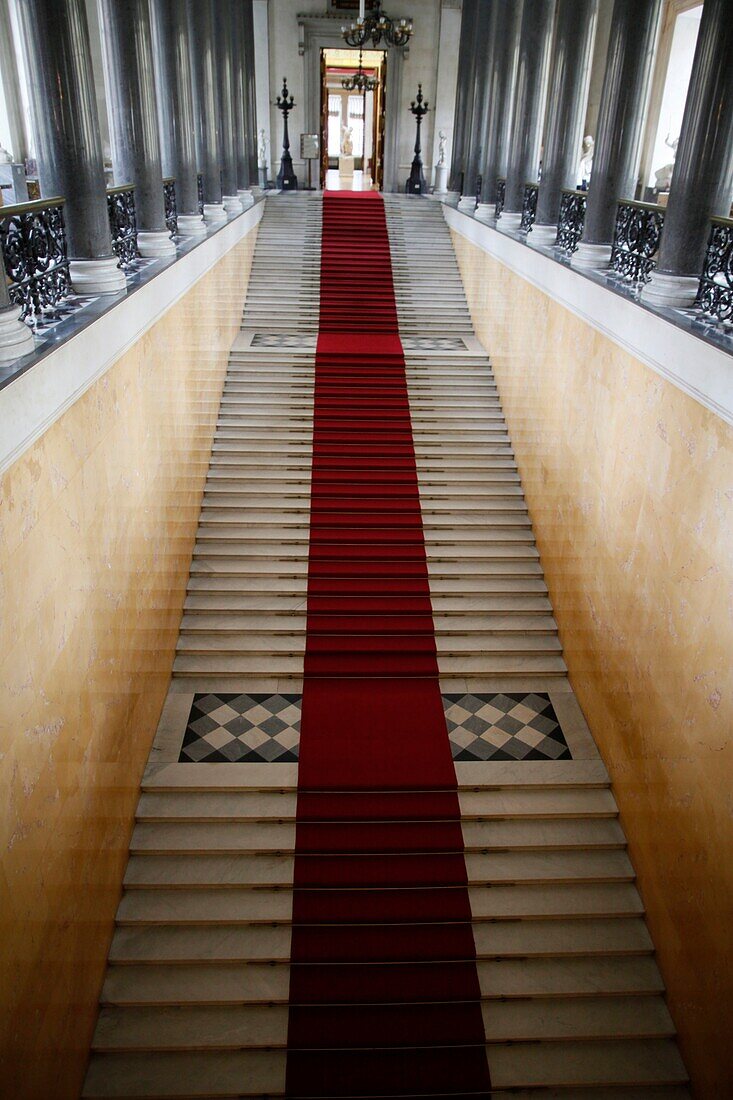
200 186
529 206
500 196
33 242
123 224
571 220
715 295
171 210
636 240
479 189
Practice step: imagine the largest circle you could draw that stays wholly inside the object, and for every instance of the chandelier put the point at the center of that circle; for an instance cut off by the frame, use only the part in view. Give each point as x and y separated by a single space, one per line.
377 26
359 81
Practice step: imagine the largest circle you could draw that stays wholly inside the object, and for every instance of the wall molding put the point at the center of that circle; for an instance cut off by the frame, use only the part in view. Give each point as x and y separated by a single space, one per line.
36 399
700 369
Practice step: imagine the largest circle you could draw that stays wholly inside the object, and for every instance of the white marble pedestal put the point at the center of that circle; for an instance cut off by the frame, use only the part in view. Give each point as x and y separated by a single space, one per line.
346 167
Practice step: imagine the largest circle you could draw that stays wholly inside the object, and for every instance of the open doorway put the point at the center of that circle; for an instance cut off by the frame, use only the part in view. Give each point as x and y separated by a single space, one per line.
352 122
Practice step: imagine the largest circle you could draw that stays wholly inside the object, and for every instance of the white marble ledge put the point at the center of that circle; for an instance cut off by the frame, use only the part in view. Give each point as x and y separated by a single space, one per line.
37 398
703 371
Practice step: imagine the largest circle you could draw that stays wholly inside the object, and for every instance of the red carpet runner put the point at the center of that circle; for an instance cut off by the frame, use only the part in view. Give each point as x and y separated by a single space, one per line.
384 994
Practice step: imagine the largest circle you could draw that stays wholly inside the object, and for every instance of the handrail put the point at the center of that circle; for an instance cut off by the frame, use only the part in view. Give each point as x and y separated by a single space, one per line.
29 207
120 187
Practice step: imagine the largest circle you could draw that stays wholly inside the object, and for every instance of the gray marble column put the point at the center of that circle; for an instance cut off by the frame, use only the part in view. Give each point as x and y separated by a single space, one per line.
251 87
529 106
225 75
16 339
483 64
702 181
507 23
203 59
464 93
175 110
240 108
624 94
68 144
133 116
567 98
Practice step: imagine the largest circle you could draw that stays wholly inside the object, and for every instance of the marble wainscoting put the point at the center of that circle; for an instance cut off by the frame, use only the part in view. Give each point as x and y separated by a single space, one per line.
97 525
629 483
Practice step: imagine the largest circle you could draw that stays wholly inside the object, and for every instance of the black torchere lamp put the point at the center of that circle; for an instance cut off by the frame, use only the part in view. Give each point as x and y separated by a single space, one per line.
286 177
416 184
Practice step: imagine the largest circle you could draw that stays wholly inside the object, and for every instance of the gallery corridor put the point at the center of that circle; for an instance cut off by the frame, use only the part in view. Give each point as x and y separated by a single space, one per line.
376 851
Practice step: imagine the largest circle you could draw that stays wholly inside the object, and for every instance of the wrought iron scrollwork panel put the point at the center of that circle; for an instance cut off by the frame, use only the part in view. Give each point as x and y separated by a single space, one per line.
33 241
715 295
529 206
123 225
636 240
571 221
171 210
200 189
500 196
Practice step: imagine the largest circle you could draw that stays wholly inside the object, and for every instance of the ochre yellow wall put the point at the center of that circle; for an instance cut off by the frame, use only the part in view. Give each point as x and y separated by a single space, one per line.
630 488
97 523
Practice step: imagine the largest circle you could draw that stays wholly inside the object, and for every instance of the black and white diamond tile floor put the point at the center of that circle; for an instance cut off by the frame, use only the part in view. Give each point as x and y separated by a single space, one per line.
240 728
265 729
504 726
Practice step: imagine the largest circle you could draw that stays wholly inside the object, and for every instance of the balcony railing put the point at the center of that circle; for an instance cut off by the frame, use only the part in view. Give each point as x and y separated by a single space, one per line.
500 196
33 242
529 206
171 211
571 221
715 296
200 186
636 240
123 224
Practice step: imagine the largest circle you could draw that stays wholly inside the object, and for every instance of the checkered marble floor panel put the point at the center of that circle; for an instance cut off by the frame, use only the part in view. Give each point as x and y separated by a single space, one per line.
251 729
521 726
257 729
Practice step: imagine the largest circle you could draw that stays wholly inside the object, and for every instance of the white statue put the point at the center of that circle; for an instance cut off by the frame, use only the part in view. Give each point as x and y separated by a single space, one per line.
442 141
262 151
585 165
347 144
663 176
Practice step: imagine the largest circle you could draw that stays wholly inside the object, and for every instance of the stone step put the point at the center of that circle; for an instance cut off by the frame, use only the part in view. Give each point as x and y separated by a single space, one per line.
611 1062
285 622
229 671
242 837
274 870
222 905
191 1028
190 1074
271 644
518 606
577 1019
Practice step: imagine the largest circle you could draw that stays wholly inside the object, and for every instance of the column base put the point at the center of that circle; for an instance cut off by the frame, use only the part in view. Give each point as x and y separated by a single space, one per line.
674 291
232 204
245 196
591 257
191 225
467 204
16 339
543 234
97 276
214 212
155 243
509 221
486 212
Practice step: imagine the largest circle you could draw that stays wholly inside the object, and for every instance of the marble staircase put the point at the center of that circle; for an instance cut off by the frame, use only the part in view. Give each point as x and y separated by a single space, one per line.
195 999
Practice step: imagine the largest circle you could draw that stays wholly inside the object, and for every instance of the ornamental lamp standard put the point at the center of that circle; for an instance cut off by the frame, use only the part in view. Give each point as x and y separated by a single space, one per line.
375 27
416 184
286 178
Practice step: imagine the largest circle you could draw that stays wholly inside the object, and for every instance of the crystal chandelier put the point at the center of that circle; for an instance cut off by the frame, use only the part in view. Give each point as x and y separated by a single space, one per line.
377 26
359 81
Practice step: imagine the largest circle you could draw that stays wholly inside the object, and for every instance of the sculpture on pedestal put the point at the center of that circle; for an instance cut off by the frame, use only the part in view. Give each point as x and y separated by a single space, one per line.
585 165
347 143
286 178
663 175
